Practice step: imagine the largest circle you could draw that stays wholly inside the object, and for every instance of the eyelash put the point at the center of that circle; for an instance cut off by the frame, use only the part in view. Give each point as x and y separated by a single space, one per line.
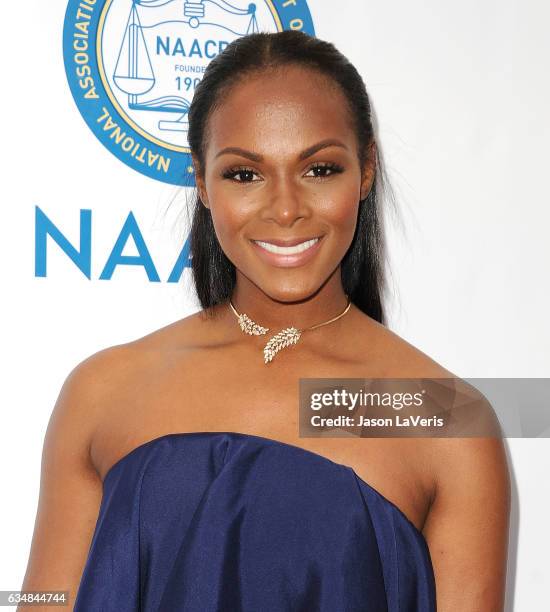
230 173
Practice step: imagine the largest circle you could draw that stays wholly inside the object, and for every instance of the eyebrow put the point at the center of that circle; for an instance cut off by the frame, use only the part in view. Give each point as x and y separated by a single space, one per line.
329 142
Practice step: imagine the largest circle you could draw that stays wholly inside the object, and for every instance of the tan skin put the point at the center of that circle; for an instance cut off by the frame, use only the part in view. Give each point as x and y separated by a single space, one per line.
204 374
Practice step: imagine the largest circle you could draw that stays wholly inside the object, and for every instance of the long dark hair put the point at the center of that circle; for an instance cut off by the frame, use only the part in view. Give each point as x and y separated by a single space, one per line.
362 267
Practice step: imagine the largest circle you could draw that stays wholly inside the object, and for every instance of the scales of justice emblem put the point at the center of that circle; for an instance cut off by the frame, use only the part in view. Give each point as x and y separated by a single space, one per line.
133 67
164 48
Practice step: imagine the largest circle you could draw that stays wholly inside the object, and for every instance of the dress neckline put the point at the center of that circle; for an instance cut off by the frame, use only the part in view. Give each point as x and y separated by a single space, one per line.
184 434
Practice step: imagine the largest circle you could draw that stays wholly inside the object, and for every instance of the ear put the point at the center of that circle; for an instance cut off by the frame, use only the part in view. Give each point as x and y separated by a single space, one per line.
199 180
368 170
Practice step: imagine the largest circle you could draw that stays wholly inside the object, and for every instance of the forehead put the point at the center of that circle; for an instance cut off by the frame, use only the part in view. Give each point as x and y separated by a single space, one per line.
280 112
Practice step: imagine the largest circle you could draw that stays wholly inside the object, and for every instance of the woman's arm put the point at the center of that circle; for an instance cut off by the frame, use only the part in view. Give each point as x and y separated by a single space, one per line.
70 488
467 526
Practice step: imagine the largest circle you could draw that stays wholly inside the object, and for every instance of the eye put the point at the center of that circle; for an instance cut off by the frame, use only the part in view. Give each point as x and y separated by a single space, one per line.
322 171
242 174
245 175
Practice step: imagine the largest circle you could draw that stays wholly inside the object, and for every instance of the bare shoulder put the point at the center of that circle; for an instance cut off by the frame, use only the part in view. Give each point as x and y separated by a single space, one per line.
477 433
92 389
111 367
196 330
70 488
130 379
86 395
396 357
87 387
468 483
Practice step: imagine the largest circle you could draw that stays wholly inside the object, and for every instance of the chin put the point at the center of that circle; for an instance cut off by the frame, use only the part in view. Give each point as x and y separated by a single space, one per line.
290 295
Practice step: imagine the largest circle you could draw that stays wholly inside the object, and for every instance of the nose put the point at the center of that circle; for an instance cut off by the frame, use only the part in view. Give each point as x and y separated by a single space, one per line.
285 203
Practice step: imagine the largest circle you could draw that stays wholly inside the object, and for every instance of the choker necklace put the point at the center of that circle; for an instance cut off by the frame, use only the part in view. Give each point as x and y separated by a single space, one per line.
284 338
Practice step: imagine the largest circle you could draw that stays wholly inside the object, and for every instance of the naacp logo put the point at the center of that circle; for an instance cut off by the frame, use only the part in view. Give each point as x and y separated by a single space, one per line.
133 66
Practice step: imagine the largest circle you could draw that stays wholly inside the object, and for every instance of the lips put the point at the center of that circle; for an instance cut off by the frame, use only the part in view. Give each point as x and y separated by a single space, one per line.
287 256
285 242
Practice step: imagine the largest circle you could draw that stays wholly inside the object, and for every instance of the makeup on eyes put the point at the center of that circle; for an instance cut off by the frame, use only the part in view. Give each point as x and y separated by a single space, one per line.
233 171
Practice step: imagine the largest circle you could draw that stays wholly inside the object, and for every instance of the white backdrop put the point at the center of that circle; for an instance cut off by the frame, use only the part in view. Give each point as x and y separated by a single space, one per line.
461 95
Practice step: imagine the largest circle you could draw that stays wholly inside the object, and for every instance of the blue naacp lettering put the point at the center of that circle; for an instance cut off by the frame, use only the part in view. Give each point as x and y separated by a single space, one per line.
176 47
82 256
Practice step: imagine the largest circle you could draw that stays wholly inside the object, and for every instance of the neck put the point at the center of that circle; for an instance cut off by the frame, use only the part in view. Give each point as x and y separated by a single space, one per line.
287 309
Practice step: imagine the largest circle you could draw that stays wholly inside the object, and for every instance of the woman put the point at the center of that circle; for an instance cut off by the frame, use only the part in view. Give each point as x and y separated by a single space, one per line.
173 476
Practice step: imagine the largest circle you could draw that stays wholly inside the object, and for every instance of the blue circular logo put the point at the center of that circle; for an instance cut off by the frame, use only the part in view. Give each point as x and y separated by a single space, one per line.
133 66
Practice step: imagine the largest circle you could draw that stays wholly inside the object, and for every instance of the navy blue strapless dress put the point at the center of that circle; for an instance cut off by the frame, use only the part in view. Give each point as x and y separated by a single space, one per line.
232 522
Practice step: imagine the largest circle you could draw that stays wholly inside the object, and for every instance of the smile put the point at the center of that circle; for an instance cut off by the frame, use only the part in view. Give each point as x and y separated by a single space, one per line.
290 256
288 250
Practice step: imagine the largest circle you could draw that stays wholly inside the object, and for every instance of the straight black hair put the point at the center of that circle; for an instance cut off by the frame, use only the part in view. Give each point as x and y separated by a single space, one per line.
362 267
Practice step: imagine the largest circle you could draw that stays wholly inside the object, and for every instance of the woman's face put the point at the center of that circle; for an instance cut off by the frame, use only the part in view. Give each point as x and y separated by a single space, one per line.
281 164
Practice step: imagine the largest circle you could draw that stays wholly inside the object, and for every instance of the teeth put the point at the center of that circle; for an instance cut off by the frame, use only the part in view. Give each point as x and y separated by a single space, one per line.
289 250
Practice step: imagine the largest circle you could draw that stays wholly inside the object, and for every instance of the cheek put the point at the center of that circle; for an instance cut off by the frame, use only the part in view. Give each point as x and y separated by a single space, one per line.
230 213
340 207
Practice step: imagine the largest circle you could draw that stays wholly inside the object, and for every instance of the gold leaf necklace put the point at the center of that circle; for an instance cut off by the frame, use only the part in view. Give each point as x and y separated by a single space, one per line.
284 338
